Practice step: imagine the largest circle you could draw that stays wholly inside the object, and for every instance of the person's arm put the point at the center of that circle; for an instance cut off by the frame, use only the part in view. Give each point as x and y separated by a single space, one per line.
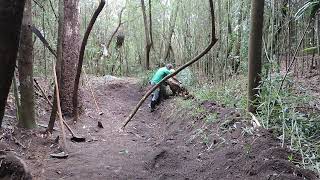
174 77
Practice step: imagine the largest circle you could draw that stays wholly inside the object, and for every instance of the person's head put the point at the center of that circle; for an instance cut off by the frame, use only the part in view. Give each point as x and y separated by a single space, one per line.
169 66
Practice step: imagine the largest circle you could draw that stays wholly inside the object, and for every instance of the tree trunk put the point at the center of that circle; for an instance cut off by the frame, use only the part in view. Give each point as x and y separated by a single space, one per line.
10 23
170 34
58 65
70 54
150 23
236 61
25 67
318 41
255 50
147 35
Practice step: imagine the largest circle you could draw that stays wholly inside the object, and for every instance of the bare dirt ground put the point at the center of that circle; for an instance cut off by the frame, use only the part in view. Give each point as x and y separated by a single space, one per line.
171 143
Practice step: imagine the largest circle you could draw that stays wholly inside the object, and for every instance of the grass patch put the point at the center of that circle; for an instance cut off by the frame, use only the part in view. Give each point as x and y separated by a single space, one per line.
230 94
285 111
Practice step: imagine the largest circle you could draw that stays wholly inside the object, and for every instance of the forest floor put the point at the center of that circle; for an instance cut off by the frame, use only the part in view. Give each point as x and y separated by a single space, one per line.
170 143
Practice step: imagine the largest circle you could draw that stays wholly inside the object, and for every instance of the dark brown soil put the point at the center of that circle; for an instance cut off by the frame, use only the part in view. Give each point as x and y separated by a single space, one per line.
171 143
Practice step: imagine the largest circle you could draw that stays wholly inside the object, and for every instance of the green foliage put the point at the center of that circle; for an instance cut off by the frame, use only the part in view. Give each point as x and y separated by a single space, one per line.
211 118
310 50
145 77
283 112
231 94
186 77
310 8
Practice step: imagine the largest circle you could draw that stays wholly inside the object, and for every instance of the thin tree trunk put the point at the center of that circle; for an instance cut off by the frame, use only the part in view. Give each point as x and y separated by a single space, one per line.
170 34
318 42
16 96
58 65
255 48
236 61
147 36
10 23
44 47
150 22
25 67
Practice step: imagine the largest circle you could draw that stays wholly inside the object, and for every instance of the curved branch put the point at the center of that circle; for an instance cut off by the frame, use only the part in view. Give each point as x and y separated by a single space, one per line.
51 5
42 39
199 56
116 30
79 66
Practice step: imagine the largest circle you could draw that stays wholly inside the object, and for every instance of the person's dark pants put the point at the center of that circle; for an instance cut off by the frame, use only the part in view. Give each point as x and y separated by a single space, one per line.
157 95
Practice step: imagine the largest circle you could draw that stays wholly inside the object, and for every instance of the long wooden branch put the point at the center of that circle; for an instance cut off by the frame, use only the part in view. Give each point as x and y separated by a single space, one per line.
79 66
199 56
59 110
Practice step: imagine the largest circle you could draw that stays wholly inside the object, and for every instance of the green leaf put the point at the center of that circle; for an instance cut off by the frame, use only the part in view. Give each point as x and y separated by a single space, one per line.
310 49
310 8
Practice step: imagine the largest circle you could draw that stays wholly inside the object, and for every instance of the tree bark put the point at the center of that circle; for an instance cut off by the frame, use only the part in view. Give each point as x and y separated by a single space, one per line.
25 67
58 65
170 34
147 36
10 23
318 41
70 54
255 49
150 22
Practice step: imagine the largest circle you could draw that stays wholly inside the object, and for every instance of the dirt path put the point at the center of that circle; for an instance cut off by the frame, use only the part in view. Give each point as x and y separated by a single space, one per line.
108 152
166 144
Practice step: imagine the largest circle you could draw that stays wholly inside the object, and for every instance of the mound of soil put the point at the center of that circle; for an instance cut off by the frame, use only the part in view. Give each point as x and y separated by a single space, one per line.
11 166
171 143
221 150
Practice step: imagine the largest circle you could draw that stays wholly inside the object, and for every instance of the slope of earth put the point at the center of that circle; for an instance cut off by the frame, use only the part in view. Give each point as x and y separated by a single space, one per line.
171 143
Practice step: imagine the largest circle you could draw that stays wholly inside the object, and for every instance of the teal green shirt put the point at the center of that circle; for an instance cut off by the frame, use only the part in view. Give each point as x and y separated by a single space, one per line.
160 74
